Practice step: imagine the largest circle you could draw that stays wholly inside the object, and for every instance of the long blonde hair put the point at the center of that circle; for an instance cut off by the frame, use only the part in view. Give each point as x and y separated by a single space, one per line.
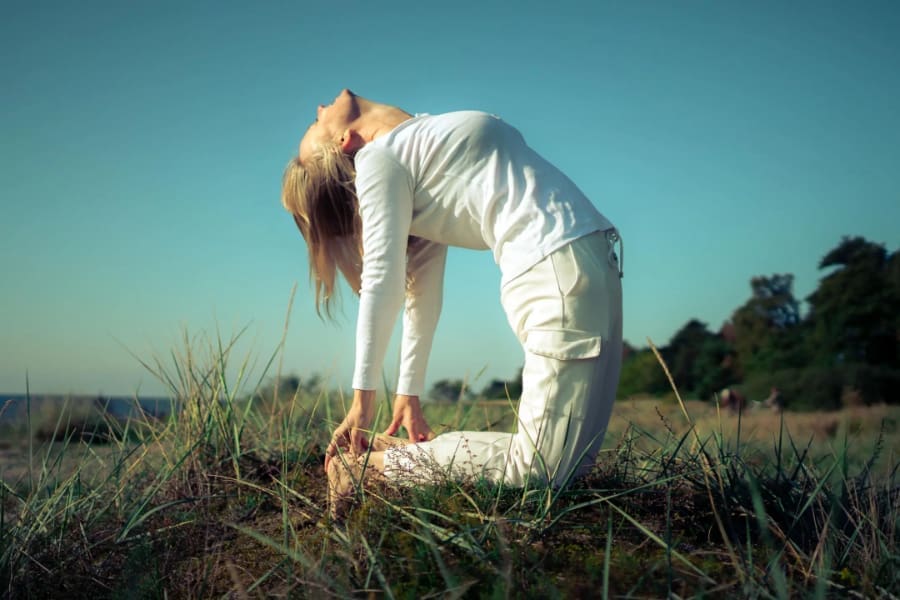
321 196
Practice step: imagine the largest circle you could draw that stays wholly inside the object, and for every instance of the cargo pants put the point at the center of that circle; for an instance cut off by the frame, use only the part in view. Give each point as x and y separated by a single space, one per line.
567 313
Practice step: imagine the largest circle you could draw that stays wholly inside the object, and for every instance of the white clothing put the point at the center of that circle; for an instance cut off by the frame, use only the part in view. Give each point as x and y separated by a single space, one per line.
567 312
463 179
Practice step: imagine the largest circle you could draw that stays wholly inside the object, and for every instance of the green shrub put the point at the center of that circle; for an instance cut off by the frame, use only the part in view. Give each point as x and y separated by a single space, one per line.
827 388
642 374
812 388
873 384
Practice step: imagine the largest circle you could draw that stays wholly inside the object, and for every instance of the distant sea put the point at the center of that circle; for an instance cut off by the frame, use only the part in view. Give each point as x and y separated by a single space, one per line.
14 407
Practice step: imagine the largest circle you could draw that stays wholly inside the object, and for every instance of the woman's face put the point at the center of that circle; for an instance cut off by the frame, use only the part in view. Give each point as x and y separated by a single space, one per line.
330 124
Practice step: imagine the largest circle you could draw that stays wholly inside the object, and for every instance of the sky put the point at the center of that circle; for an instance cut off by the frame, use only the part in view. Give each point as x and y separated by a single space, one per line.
142 147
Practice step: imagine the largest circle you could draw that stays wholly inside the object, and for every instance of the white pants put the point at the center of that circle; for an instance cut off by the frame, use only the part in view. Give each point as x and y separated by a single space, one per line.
567 313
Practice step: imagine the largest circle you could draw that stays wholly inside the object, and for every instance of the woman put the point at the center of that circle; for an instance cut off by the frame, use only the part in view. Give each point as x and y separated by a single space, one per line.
379 194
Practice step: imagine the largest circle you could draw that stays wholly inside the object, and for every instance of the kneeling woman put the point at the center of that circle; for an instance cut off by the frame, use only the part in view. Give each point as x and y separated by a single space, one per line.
379 195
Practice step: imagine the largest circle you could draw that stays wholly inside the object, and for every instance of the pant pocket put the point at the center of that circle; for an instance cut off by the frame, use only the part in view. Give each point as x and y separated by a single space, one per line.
562 344
568 272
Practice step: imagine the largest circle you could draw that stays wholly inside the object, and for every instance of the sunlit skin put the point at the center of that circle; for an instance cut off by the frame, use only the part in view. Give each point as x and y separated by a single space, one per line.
351 122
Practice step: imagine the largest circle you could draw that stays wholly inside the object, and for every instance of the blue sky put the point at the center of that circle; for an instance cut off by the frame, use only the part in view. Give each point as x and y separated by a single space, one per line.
141 151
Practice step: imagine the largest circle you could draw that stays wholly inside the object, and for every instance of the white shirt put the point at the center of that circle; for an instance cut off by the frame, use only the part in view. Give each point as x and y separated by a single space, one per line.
458 179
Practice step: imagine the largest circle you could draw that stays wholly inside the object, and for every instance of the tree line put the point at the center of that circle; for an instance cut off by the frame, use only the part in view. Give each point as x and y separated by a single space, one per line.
844 349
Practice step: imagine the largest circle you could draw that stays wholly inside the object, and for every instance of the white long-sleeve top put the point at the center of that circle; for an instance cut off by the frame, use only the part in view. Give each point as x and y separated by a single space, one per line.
458 179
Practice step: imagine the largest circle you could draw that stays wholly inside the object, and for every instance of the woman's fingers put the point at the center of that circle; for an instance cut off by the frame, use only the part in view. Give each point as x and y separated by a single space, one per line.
358 441
352 440
339 439
330 451
419 432
393 427
351 435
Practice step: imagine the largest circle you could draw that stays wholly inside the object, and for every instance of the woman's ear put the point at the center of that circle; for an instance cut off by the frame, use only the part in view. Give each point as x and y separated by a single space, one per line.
351 141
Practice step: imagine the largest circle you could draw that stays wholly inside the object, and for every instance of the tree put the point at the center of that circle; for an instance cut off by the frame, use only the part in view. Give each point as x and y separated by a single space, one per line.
449 390
642 374
287 386
767 328
854 311
892 274
682 352
713 367
501 388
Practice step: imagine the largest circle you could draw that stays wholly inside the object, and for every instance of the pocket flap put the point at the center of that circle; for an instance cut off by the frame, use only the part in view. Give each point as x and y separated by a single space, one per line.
562 344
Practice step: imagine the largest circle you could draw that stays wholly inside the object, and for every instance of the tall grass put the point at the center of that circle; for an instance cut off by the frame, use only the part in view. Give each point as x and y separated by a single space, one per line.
227 498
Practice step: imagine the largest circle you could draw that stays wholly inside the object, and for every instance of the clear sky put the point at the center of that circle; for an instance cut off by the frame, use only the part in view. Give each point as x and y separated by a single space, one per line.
141 152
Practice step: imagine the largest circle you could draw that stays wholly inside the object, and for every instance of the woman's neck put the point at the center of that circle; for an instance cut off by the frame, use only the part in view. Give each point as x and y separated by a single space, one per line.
377 119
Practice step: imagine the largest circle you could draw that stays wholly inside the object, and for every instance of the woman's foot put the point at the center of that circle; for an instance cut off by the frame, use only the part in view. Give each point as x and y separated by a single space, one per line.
347 472
381 442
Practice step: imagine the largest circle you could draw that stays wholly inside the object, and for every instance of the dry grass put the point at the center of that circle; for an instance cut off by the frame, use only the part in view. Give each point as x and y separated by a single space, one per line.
855 433
227 500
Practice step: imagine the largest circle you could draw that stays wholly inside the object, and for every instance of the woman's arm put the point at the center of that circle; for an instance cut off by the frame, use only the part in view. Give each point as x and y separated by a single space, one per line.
424 297
385 206
385 196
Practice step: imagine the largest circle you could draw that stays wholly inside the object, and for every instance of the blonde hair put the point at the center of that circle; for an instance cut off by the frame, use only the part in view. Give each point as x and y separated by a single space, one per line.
321 196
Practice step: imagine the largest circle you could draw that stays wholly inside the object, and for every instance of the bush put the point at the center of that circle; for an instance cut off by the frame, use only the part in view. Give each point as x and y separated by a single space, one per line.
501 389
95 430
642 374
812 388
449 390
873 384
824 388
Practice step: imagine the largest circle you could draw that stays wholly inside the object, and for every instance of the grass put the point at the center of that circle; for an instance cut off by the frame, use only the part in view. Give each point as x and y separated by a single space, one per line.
228 499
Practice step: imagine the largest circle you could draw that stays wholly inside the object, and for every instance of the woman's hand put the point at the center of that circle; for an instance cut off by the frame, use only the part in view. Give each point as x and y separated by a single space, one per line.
408 413
350 435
